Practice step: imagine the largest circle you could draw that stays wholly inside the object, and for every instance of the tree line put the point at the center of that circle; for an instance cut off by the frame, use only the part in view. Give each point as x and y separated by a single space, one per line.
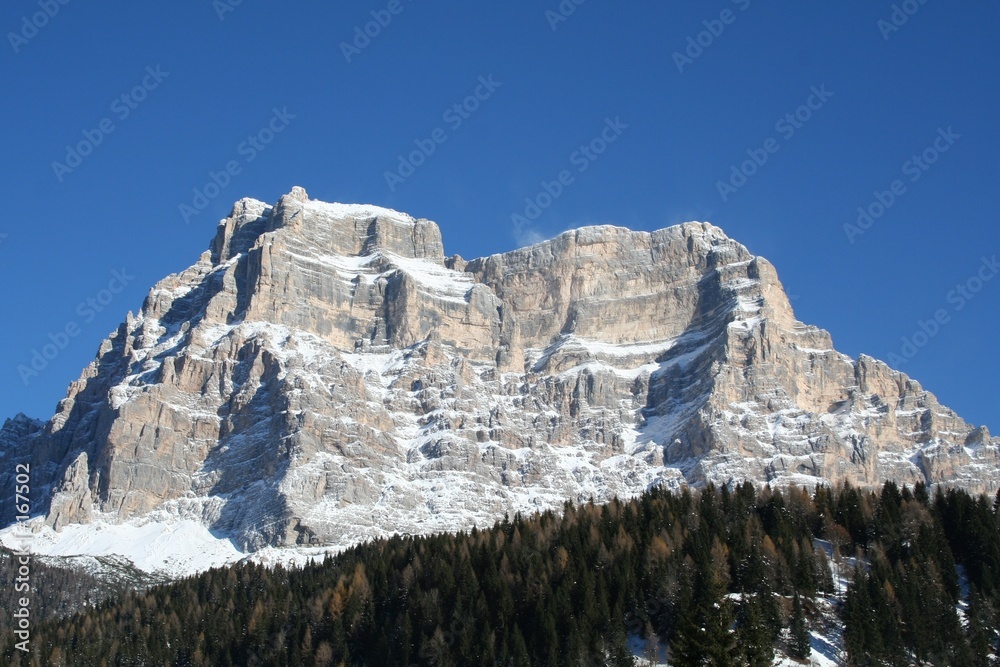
720 576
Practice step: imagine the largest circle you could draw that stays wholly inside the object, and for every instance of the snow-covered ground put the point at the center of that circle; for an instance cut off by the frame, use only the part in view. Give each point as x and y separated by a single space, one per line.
643 650
825 651
174 549
164 549
826 631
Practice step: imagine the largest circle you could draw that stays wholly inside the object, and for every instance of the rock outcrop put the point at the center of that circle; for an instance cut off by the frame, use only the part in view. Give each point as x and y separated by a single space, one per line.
324 374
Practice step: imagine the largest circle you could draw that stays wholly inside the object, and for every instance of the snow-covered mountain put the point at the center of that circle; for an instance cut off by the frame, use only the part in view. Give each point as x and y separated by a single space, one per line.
324 374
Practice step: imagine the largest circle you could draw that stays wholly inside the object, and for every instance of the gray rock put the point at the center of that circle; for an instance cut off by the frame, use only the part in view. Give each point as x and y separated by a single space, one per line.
323 374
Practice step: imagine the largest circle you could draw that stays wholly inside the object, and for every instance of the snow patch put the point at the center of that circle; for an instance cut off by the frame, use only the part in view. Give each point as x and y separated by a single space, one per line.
357 211
173 549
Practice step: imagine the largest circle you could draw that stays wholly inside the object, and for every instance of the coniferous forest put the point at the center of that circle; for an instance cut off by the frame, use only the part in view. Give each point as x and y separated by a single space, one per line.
55 592
721 577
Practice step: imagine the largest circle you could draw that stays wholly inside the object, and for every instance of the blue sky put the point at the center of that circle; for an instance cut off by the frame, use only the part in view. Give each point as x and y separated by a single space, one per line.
206 84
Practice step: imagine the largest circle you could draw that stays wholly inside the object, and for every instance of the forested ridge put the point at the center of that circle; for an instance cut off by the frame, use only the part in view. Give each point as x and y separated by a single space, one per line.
54 591
722 577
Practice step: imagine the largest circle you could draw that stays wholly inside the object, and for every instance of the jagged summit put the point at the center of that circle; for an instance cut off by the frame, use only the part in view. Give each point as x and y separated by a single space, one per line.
322 375
341 229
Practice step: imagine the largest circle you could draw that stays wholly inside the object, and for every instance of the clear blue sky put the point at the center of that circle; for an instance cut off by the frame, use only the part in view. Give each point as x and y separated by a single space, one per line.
65 233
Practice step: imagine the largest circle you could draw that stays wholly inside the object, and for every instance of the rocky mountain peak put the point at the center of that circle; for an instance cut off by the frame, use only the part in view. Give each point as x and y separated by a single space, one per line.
322 375
17 428
348 230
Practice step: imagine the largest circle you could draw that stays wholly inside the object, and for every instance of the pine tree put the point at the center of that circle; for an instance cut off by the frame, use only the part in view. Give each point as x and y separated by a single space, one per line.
799 644
980 634
755 638
862 638
519 650
703 635
824 573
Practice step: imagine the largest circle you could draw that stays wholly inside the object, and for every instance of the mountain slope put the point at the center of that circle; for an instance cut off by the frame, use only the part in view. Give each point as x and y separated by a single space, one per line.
324 374
741 577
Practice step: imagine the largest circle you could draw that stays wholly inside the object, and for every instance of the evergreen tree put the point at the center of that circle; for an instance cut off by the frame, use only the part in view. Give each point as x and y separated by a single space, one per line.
980 632
824 572
799 645
755 636
862 638
704 635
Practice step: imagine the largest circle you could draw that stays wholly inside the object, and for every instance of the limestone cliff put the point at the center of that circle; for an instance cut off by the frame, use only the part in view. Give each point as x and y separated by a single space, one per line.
324 374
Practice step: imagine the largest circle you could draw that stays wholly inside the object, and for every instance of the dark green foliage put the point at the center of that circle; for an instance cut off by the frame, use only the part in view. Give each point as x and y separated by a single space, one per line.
901 605
703 635
54 591
755 633
982 631
799 645
717 575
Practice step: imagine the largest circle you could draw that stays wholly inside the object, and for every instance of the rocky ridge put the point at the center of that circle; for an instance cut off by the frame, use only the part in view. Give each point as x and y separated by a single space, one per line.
324 374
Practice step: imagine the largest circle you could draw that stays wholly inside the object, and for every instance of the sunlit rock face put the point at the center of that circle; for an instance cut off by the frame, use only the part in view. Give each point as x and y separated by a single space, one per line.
323 374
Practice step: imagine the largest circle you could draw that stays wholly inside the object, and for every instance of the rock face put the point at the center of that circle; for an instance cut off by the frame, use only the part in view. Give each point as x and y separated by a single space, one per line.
324 374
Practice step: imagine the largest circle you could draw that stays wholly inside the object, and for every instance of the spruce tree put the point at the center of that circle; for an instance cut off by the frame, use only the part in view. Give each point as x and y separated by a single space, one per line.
703 636
755 638
980 634
799 645
862 638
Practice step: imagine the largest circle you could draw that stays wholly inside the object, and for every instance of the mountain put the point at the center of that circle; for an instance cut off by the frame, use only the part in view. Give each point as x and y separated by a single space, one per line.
324 374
